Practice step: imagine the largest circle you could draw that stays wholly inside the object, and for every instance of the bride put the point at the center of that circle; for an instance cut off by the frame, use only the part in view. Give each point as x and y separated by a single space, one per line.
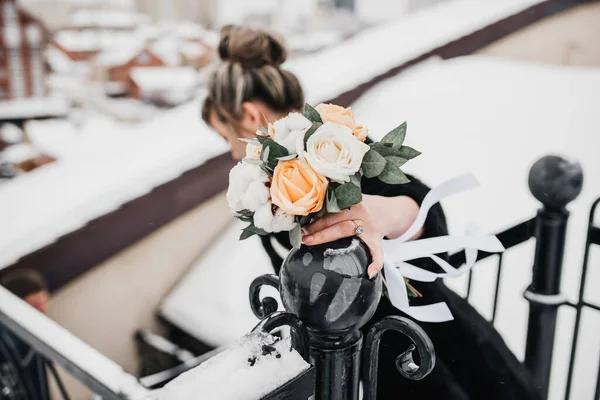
249 89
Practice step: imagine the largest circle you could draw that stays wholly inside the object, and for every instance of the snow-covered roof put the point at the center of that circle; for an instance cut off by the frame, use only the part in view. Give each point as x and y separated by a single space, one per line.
57 60
157 79
33 107
119 55
107 18
94 40
18 153
194 49
168 49
10 133
106 165
326 74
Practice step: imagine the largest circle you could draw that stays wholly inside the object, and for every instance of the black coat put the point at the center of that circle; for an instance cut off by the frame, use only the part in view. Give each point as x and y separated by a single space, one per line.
473 362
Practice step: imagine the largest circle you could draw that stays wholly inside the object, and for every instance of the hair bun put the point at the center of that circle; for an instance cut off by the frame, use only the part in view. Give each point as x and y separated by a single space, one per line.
251 47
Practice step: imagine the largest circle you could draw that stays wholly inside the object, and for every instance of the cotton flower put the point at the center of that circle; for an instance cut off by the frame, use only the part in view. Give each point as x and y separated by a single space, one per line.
289 132
247 189
334 152
269 222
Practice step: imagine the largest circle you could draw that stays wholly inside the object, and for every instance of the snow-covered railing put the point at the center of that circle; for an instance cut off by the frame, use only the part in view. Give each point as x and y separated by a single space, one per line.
55 344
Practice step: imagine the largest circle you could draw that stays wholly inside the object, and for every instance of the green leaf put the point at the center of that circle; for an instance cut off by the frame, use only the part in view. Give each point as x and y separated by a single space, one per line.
305 219
392 175
373 163
287 158
296 236
385 150
396 136
253 141
250 231
274 151
312 114
245 219
408 152
331 203
320 213
397 161
264 154
246 213
348 195
262 139
356 179
252 161
310 131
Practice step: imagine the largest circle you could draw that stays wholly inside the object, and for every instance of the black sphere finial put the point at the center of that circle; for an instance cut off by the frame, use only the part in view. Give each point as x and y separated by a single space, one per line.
555 182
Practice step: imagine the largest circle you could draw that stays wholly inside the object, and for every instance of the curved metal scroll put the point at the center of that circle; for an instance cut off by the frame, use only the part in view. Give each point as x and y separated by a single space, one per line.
268 305
280 319
404 362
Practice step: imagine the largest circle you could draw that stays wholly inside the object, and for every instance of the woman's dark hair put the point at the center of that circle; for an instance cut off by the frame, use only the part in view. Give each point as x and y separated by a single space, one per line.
250 69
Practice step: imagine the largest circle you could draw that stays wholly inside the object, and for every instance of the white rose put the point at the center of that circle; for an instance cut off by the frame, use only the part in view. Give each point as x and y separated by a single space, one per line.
265 220
289 132
334 152
247 190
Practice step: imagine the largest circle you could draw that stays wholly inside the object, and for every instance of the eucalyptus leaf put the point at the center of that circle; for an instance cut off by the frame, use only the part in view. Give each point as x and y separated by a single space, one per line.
385 150
262 139
305 219
296 236
250 231
321 212
373 163
245 219
253 141
264 154
287 158
274 151
332 205
356 179
396 136
246 213
398 161
252 161
348 195
312 114
408 152
392 175
310 131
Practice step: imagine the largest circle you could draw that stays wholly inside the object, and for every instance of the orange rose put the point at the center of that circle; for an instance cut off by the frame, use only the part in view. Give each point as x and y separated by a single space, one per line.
342 116
297 189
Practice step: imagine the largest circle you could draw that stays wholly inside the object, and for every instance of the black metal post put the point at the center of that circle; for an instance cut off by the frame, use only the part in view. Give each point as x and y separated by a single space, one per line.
338 366
554 182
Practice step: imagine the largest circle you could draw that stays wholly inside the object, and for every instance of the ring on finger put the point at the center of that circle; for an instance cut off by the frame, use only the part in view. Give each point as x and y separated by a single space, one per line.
359 228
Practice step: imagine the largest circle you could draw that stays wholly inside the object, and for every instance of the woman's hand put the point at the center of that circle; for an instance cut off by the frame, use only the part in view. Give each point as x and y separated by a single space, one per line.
378 216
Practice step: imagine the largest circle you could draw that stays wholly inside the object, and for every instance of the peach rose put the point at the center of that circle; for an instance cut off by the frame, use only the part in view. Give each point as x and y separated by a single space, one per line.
342 116
297 189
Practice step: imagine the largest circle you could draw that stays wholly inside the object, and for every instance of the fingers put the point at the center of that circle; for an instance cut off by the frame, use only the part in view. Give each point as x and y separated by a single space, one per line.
328 221
340 230
377 256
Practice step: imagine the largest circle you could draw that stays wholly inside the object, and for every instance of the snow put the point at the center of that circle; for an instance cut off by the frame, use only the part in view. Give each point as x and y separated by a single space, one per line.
377 50
495 118
72 348
241 372
219 282
168 49
32 107
120 19
192 49
116 56
94 40
18 153
107 165
57 60
10 133
159 79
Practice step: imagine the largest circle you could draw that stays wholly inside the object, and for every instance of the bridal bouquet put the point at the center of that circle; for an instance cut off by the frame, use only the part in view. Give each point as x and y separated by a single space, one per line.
305 165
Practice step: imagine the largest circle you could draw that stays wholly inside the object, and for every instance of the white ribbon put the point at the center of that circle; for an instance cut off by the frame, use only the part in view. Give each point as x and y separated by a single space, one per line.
400 250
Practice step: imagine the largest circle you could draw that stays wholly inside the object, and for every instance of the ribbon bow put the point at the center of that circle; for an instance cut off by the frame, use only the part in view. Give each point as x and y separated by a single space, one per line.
400 250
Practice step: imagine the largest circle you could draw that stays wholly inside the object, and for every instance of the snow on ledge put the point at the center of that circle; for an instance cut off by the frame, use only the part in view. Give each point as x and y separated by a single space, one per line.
327 74
98 366
33 107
